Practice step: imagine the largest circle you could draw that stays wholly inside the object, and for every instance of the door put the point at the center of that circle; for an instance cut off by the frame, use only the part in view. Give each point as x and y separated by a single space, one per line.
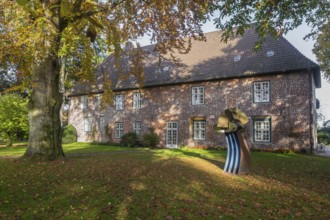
172 135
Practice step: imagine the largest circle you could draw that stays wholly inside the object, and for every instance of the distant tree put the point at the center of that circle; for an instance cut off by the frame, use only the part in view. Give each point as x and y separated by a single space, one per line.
13 118
323 135
322 49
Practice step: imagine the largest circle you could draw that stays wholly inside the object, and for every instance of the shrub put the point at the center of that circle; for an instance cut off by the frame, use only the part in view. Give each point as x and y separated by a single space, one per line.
69 135
150 139
280 150
130 139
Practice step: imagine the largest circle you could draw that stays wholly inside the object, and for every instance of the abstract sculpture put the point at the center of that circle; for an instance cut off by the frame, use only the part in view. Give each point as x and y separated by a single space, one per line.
231 122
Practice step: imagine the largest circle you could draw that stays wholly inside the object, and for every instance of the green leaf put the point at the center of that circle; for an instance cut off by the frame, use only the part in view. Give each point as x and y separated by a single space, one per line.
22 2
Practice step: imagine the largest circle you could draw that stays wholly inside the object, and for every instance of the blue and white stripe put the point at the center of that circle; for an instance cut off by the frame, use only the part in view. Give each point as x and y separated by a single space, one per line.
233 153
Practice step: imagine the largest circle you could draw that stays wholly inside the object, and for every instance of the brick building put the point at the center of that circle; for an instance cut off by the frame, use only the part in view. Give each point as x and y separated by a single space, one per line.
274 86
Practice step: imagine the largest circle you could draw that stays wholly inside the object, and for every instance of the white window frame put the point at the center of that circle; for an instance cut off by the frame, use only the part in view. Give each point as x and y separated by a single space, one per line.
88 124
137 128
84 102
261 92
119 130
262 130
119 102
199 130
197 95
101 123
137 100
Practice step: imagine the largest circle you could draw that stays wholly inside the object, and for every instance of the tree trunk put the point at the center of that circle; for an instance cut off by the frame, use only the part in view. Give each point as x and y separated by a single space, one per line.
45 135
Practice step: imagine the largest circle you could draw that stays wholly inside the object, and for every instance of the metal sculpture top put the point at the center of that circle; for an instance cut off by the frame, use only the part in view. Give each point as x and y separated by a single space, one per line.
230 120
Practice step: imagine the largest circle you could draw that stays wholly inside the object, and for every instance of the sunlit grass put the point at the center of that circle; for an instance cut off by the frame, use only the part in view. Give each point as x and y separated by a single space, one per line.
165 184
18 149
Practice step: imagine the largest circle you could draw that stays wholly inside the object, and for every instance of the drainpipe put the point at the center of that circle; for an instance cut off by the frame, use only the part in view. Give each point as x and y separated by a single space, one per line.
311 121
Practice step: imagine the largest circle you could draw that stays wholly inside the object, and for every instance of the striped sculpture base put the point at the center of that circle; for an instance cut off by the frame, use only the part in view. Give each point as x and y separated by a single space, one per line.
238 154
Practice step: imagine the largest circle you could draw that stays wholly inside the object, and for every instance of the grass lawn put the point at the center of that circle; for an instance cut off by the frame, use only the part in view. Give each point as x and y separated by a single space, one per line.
165 184
18 149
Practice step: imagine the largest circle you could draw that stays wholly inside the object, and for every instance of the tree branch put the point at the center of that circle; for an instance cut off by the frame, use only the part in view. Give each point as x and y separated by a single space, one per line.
86 14
77 4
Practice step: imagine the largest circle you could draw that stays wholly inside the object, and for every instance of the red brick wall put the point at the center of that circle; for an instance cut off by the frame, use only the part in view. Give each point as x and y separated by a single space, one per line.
289 109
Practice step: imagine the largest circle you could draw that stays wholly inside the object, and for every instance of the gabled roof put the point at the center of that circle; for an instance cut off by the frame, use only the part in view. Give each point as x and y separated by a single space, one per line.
212 60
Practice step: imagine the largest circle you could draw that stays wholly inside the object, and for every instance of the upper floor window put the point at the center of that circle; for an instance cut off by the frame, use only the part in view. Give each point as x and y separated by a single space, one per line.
261 91
83 102
262 130
119 129
137 128
137 100
88 124
197 95
119 102
199 130
101 123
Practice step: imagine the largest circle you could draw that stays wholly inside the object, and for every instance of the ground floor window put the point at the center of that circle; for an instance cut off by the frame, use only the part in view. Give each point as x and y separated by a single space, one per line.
137 128
262 129
88 124
199 130
119 129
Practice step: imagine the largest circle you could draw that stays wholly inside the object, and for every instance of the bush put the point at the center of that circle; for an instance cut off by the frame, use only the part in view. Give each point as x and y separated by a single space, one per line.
69 135
280 150
150 139
130 139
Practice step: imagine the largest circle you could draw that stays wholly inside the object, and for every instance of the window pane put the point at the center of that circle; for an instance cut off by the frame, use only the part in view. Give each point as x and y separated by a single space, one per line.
137 100
197 95
262 130
261 91
199 130
101 125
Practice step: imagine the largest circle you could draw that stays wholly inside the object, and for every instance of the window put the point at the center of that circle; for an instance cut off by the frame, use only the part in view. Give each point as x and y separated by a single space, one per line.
197 95
262 130
119 129
137 100
101 123
199 130
119 102
83 102
261 91
137 128
88 124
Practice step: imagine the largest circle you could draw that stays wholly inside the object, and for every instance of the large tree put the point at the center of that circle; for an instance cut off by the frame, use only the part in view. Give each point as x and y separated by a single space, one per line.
42 36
